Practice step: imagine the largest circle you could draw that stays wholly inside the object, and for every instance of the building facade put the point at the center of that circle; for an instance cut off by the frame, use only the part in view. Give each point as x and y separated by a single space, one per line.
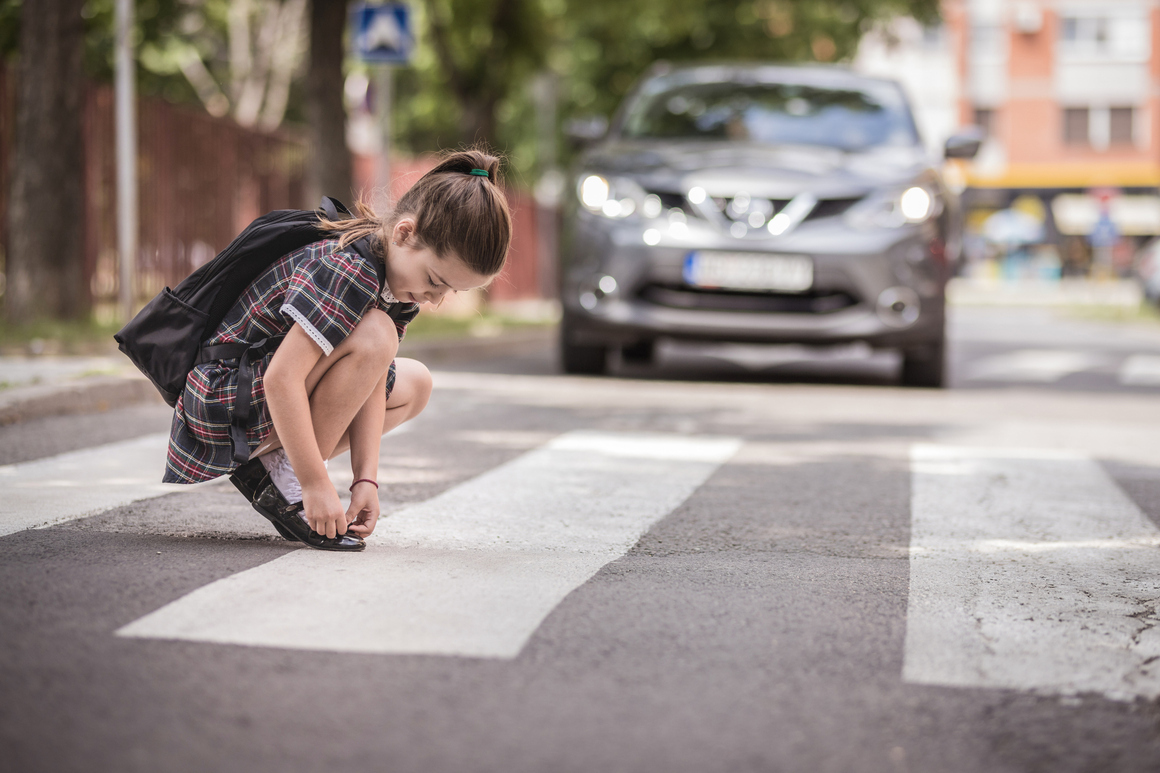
1068 92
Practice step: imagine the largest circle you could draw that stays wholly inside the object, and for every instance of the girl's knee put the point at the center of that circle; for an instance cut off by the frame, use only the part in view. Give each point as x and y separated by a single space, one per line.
412 384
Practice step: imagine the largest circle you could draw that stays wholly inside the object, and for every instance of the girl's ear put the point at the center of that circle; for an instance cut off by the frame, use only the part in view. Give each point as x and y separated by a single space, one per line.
403 230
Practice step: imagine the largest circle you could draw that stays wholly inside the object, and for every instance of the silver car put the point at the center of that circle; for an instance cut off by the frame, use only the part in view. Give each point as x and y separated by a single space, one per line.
772 204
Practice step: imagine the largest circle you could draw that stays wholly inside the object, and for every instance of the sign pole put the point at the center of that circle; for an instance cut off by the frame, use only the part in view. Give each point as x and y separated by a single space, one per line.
383 114
382 37
125 103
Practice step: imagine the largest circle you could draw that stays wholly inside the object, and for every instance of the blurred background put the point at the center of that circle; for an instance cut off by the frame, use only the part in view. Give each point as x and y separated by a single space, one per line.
253 105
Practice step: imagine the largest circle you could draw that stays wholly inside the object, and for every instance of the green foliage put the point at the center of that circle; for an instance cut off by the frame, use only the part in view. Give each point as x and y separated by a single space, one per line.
9 28
156 22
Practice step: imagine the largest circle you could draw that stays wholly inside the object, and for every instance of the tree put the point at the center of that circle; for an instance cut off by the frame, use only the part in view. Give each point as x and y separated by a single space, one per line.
239 56
46 206
329 172
474 57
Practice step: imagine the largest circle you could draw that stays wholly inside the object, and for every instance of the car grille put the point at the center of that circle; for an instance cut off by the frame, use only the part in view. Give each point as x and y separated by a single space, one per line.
684 297
752 212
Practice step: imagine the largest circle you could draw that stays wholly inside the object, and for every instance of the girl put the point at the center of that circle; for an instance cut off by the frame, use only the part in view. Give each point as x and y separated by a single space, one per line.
333 383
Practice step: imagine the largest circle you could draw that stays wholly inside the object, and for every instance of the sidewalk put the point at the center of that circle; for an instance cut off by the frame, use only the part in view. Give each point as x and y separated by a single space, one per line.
963 291
33 387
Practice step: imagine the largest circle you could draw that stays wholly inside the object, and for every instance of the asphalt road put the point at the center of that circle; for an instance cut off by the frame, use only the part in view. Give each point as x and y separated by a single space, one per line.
739 560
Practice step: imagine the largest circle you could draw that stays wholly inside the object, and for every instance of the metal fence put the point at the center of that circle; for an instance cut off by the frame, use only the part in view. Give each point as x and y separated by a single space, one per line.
201 181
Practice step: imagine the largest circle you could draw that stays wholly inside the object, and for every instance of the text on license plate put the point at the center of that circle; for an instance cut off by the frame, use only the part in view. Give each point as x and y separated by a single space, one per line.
749 271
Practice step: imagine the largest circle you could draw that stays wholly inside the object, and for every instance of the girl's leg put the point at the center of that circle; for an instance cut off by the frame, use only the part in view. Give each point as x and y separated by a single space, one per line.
408 398
343 380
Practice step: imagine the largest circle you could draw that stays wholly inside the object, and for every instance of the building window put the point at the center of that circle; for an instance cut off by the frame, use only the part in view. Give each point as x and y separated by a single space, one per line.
1120 129
985 120
1117 36
1075 126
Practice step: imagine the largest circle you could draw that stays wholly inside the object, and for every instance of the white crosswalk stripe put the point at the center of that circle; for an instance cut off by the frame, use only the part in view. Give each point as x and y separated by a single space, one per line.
472 572
1033 365
1030 570
1141 370
70 486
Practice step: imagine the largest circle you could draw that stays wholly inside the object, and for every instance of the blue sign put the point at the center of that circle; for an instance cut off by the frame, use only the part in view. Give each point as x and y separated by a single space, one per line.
1105 233
382 32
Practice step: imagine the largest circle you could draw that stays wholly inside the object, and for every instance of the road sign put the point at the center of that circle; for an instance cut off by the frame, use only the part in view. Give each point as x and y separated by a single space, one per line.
382 33
1105 233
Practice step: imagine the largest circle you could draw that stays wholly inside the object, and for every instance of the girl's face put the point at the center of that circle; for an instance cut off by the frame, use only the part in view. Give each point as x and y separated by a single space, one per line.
415 274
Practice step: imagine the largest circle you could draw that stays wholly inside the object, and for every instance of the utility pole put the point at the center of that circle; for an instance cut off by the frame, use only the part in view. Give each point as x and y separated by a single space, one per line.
125 107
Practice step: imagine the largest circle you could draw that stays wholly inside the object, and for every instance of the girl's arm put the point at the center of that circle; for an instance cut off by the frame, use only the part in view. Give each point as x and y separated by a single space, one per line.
285 383
366 434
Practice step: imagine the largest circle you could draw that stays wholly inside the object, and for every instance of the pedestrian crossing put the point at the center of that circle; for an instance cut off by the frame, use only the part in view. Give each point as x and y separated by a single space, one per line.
472 572
1030 569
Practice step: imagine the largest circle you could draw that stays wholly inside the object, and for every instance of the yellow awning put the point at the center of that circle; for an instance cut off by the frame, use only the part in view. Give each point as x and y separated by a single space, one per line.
1120 174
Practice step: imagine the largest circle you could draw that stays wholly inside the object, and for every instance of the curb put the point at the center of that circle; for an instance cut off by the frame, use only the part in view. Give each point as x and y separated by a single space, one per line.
91 395
97 394
446 350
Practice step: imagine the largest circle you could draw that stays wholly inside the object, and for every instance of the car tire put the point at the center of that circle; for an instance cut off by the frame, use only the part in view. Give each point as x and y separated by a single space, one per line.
581 359
639 352
925 366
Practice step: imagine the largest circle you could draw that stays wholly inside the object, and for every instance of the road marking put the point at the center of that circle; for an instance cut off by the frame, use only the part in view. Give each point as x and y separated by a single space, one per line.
1032 365
1141 370
472 572
1029 570
81 483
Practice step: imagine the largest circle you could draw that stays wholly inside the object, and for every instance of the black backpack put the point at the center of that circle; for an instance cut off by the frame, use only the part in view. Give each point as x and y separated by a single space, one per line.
165 339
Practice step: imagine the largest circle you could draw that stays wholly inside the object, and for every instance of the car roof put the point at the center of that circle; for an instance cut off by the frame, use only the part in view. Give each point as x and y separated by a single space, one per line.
805 74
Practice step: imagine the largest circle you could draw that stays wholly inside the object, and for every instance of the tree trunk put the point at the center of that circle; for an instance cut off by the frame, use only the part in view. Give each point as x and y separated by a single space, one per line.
329 172
46 214
477 125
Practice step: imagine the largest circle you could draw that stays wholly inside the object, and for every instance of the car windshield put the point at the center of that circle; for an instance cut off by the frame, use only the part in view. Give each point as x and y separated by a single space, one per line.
772 114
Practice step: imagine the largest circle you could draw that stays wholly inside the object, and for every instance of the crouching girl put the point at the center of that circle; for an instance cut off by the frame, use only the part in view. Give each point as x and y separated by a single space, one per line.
334 382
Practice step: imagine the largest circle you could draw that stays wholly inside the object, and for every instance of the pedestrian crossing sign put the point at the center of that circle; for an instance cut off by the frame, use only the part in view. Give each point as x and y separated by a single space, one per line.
382 32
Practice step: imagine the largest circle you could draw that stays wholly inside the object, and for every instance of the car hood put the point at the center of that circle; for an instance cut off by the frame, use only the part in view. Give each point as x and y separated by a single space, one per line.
776 172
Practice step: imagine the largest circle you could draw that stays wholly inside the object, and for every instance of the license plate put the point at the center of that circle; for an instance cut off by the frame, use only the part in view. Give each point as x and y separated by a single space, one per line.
749 271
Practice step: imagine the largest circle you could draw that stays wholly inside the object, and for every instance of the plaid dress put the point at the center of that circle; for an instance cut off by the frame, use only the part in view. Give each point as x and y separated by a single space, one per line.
323 289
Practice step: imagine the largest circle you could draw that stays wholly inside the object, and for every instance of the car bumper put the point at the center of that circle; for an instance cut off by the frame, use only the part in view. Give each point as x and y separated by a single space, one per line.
855 273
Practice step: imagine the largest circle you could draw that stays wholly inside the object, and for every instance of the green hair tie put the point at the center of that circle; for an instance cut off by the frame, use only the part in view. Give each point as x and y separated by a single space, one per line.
480 173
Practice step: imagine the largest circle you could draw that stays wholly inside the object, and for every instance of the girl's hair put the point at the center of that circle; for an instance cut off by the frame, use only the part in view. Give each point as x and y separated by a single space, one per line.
456 211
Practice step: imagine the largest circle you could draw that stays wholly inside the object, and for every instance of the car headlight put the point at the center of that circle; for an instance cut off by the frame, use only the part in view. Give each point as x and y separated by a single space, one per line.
615 197
897 207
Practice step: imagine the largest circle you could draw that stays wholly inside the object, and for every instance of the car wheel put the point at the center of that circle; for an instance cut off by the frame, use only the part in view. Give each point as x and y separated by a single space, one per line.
924 366
639 353
581 359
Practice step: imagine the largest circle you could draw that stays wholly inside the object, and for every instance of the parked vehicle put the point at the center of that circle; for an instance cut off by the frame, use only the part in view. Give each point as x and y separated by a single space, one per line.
759 203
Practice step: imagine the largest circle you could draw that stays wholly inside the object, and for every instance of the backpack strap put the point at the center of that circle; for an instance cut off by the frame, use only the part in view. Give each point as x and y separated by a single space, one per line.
364 248
333 208
245 354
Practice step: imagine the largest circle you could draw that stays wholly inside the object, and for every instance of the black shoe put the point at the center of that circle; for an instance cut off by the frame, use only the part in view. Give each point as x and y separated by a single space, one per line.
270 503
249 479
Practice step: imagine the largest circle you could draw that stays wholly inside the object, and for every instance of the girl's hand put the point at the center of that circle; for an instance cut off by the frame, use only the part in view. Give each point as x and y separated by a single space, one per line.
363 512
323 511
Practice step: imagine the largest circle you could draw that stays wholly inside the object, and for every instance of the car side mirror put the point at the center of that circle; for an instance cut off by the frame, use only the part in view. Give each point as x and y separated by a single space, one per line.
586 130
965 143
